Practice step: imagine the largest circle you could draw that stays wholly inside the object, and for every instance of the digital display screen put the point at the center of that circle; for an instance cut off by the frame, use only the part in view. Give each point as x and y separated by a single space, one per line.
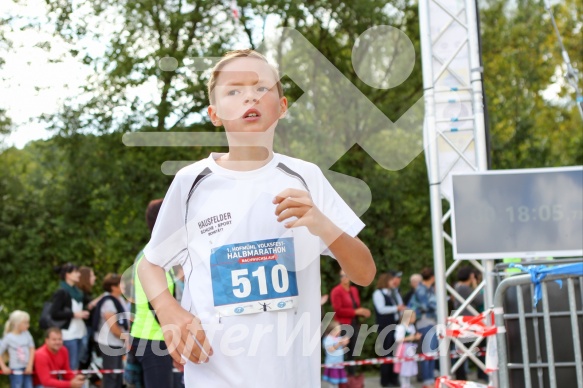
518 213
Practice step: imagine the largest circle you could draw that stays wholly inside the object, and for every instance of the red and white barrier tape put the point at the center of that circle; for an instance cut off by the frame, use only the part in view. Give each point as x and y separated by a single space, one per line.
445 381
392 360
80 371
368 361
472 325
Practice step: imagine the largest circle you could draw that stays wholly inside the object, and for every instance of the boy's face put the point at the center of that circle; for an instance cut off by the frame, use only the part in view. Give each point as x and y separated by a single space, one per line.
246 97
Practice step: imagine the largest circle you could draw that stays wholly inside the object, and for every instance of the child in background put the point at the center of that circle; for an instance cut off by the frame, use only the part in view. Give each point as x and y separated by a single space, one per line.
334 348
18 341
406 336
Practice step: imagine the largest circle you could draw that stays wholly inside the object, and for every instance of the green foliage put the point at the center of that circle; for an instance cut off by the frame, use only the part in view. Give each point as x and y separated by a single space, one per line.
5 45
141 34
5 123
77 199
520 63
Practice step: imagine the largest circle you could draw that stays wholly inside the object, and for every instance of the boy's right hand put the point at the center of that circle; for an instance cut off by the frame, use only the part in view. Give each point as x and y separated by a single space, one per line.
183 332
6 370
184 335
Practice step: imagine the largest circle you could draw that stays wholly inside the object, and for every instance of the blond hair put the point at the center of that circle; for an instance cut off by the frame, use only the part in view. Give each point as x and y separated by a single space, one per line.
15 319
228 58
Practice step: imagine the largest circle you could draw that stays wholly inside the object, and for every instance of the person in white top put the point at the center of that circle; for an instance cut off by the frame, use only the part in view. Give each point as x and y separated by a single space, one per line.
406 336
387 310
111 325
68 305
248 228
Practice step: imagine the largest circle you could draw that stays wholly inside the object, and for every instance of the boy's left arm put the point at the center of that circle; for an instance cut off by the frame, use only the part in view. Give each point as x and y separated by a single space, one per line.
352 254
354 257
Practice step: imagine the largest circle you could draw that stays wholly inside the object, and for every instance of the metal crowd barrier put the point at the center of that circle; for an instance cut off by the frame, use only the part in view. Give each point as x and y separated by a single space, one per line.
541 345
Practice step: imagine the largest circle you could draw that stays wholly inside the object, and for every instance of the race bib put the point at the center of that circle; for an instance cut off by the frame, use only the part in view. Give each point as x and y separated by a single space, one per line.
254 277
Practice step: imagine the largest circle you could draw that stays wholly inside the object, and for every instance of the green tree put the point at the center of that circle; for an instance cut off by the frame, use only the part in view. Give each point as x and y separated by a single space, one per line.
142 79
332 27
5 45
77 199
5 123
528 128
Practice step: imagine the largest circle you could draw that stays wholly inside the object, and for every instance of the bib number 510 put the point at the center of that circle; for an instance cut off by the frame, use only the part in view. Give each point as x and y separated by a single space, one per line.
242 284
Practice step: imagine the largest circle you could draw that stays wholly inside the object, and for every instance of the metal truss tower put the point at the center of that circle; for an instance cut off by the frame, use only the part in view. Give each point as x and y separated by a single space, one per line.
455 139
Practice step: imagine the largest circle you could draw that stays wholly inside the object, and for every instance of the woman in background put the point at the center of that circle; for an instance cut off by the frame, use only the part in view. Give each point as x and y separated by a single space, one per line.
387 311
346 304
68 306
85 284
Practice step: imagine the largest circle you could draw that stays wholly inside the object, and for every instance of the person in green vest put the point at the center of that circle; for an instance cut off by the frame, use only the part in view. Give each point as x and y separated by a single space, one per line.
148 346
508 260
518 260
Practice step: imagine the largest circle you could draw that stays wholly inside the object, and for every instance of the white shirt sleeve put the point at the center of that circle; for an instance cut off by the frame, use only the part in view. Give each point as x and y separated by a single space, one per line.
168 243
107 307
400 333
378 299
336 209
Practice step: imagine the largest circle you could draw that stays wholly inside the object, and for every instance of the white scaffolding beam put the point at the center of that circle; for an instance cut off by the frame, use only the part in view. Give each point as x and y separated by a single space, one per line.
454 132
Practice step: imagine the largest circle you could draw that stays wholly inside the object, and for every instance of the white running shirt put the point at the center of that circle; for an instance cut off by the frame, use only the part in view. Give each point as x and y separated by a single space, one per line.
254 284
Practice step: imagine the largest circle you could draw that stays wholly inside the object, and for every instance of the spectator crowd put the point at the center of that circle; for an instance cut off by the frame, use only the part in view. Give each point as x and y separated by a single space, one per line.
95 332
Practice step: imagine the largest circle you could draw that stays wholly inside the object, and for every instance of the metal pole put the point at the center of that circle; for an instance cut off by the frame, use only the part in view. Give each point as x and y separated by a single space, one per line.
537 342
434 179
549 338
575 328
476 84
523 337
571 75
479 125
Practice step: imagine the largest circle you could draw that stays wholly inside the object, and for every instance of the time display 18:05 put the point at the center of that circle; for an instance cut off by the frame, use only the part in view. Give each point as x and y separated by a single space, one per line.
540 213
